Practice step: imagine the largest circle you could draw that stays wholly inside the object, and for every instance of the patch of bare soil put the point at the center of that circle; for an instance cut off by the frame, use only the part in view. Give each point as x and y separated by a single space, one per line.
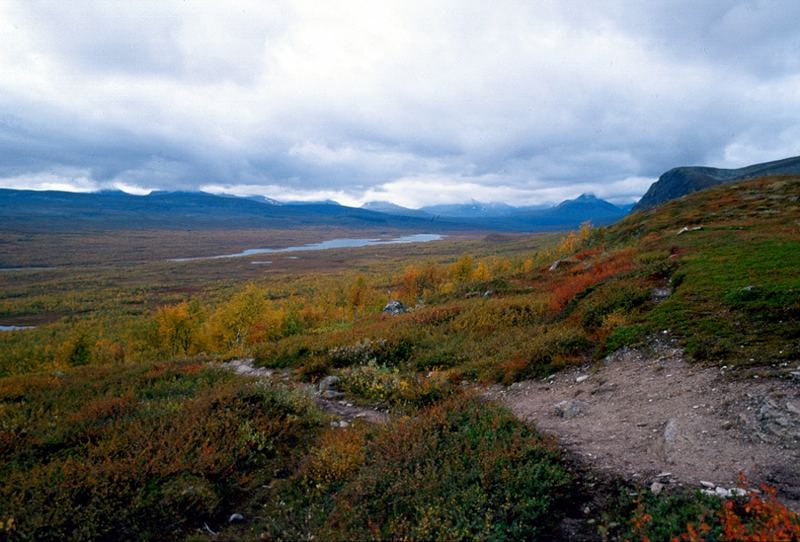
647 415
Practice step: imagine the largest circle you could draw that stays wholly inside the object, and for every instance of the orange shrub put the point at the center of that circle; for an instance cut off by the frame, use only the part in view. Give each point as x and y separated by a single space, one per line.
765 519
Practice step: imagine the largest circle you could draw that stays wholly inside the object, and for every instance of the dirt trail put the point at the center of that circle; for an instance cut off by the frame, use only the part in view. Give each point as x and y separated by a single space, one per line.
650 416
345 411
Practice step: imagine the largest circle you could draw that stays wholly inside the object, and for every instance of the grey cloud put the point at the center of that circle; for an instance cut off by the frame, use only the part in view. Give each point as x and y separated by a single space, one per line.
531 100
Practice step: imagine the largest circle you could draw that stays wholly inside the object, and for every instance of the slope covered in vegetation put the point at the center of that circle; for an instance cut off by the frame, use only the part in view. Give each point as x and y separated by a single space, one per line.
125 402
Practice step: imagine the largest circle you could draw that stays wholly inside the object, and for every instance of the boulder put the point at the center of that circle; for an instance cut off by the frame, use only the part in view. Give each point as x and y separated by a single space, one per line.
394 308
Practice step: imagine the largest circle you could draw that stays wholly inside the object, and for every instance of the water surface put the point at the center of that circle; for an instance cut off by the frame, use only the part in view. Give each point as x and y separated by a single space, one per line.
324 245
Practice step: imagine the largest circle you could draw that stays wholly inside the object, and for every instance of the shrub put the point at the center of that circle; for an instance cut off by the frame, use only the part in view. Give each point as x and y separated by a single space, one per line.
623 336
564 291
379 351
141 452
545 352
459 472
462 470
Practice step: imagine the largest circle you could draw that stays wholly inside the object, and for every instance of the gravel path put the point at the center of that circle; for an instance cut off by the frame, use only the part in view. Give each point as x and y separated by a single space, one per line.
650 416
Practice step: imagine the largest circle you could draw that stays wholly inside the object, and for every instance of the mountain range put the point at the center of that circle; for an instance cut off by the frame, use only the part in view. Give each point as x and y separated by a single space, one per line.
26 210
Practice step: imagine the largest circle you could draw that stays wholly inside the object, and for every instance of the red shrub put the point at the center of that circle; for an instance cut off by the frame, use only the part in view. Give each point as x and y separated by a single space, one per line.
563 292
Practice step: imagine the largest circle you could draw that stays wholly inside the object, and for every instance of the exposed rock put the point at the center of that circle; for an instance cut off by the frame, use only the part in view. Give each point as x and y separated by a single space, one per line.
656 488
770 419
394 308
236 518
688 229
659 294
328 383
331 394
722 492
488 293
571 408
671 431
582 378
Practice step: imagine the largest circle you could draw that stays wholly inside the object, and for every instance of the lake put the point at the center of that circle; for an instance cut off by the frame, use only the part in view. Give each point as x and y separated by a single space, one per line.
324 245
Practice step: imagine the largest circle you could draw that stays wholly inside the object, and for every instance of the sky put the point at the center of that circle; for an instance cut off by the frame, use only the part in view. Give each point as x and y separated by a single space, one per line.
413 102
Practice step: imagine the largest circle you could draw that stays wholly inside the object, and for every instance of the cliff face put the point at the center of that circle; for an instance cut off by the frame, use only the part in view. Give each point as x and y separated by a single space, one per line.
680 181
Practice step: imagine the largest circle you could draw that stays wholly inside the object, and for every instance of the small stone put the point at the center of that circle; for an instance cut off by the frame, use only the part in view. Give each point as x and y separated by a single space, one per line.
656 488
570 408
664 475
671 431
235 518
708 485
582 378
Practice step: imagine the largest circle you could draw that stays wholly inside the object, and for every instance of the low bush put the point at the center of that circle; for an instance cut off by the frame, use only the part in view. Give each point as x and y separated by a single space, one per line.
462 470
142 452
378 383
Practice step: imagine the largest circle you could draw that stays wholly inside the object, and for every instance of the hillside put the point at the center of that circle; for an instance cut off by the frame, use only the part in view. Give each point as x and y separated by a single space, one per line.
297 403
680 181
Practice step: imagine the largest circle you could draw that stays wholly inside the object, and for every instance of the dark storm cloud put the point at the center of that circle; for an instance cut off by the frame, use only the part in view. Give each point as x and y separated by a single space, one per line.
411 102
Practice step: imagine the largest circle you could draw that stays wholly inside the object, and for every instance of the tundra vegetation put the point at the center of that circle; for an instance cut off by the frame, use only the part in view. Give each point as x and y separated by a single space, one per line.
118 422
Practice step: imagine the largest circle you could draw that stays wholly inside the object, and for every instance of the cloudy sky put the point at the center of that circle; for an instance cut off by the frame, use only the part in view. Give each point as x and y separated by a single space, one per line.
412 102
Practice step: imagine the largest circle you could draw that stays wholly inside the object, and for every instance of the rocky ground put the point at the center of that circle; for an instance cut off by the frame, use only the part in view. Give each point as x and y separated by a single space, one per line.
648 415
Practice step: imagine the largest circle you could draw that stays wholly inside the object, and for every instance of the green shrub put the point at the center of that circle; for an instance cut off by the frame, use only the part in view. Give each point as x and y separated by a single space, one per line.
624 336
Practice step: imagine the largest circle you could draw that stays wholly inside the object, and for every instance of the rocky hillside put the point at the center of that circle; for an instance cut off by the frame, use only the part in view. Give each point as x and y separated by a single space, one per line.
680 181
